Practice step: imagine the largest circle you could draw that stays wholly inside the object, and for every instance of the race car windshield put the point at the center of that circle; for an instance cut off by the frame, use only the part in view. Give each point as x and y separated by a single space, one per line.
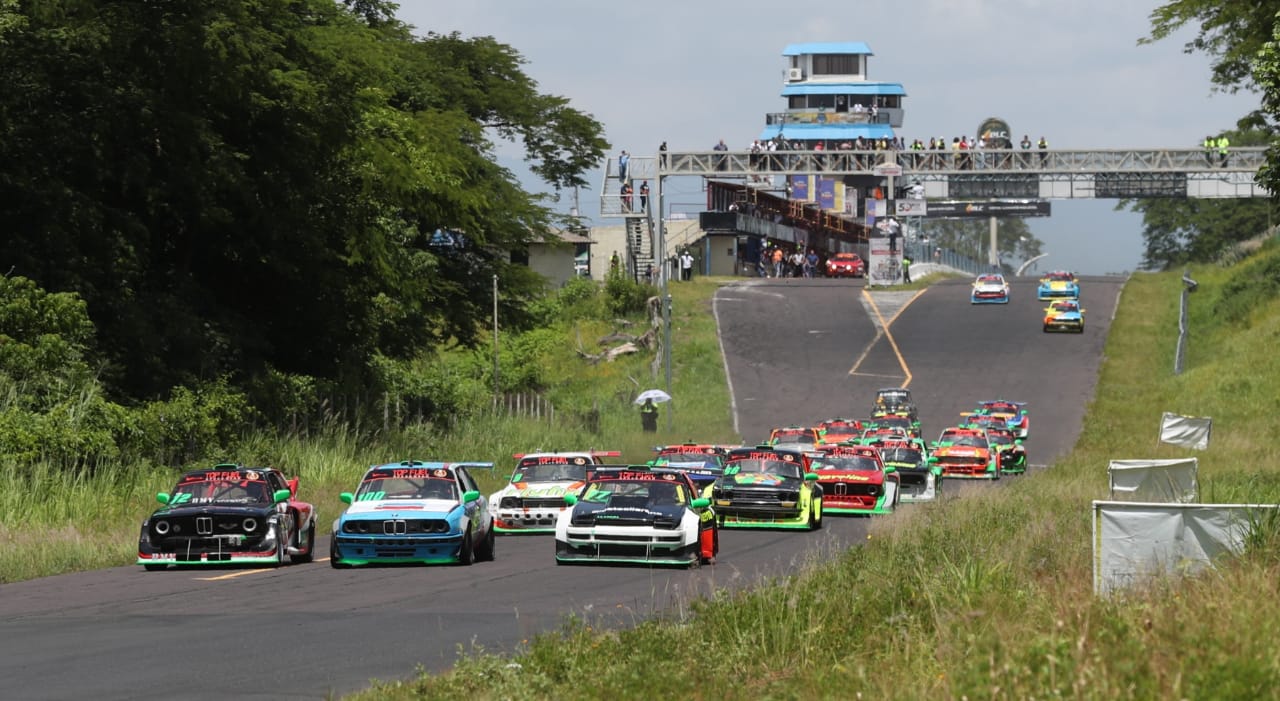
846 463
380 488
1000 437
901 455
629 493
701 459
221 492
966 440
780 468
550 472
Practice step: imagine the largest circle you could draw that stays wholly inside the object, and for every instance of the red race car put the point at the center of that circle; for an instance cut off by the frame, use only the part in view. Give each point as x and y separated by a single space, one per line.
846 265
854 480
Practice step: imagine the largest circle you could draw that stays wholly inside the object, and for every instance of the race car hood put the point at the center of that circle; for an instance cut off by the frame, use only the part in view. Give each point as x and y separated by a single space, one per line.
959 451
538 490
760 479
417 508
205 509
867 476
586 514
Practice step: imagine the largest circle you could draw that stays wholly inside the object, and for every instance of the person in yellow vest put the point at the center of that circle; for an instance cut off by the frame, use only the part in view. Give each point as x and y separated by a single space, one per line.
1223 150
1043 146
1209 143
649 416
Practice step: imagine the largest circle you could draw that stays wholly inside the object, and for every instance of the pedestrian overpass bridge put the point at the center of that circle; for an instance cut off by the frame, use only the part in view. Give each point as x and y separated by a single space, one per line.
986 174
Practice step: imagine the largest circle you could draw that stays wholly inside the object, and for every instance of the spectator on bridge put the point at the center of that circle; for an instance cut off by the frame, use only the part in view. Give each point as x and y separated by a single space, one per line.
662 155
1024 158
644 195
1043 146
720 161
626 197
1209 144
1223 153
624 160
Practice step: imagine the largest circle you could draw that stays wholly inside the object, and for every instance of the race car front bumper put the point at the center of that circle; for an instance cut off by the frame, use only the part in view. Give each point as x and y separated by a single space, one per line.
398 549
634 544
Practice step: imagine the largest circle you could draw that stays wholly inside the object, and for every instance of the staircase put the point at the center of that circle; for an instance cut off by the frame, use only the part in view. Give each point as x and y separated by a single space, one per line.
640 253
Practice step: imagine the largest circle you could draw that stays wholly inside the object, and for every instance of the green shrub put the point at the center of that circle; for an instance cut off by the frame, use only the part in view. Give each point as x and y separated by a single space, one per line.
624 296
193 424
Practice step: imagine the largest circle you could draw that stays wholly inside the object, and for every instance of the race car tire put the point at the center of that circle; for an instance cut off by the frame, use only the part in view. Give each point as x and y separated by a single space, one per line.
466 553
335 561
155 568
488 548
282 547
310 554
1046 329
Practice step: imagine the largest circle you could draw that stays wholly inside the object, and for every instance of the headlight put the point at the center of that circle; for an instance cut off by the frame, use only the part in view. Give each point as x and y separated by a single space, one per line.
509 503
249 524
162 527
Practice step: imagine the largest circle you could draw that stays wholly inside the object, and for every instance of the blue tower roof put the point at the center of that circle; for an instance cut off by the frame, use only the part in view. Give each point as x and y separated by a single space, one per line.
828 47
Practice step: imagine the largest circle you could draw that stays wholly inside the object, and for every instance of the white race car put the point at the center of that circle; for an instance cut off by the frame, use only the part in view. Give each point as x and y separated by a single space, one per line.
535 493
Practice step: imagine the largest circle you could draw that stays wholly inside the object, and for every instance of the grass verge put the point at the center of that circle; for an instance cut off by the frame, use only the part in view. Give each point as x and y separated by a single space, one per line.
990 596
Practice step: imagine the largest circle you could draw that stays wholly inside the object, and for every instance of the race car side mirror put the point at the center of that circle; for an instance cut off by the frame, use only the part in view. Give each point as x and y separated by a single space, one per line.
570 499
280 495
810 476
162 497
700 503
933 461
347 497
468 497
889 468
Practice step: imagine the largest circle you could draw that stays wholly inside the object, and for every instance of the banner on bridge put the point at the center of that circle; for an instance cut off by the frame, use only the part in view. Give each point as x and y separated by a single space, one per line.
966 210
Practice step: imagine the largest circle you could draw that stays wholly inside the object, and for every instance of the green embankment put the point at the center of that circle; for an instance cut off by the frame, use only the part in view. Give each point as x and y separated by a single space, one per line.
989 596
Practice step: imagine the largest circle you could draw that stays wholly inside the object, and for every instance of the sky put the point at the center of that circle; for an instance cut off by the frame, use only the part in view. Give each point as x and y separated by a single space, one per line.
693 72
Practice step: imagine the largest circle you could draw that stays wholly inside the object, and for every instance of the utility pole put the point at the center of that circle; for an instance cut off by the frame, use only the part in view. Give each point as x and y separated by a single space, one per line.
495 338
665 277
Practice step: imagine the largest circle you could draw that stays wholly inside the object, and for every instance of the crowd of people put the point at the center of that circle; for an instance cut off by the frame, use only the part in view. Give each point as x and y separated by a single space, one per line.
962 152
775 261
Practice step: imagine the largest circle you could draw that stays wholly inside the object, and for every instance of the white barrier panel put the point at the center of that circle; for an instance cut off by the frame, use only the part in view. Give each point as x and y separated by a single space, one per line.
1153 480
1186 431
1135 542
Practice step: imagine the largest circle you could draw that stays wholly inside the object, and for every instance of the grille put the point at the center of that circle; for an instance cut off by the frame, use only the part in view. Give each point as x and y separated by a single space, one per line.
396 527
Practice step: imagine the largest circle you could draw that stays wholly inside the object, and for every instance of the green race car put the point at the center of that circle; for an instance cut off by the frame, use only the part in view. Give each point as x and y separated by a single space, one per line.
767 487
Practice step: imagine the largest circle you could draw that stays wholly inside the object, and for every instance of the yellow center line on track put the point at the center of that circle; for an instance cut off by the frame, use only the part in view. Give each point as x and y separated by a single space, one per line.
232 575
884 325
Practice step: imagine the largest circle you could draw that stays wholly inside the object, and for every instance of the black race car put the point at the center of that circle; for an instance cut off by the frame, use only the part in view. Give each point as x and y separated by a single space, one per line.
229 514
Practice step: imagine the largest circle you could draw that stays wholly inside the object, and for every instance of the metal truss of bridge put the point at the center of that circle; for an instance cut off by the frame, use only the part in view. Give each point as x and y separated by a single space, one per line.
989 173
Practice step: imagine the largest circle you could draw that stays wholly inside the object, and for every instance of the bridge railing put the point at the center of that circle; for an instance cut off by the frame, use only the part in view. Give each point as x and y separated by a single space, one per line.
1046 161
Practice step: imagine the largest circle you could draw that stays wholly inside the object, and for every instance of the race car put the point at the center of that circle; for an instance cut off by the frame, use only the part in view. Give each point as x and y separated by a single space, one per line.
854 480
989 288
797 437
414 512
918 479
875 433
1057 285
839 430
767 487
965 453
895 401
846 265
882 420
1014 414
1013 456
534 494
638 514
702 462
1064 315
229 514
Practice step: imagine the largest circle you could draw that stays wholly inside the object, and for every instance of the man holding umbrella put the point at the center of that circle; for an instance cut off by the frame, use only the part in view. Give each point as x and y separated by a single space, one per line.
649 410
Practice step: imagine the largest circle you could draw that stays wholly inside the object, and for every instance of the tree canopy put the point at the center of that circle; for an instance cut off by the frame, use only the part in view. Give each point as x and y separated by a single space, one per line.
238 187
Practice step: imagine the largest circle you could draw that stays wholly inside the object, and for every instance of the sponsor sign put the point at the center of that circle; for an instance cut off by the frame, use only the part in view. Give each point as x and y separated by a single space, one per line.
996 133
885 170
995 208
911 208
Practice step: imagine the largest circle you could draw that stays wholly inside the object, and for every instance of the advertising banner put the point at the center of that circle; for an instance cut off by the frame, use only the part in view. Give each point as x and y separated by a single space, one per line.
963 210
1137 542
884 267
1186 431
800 188
911 208
827 193
1153 480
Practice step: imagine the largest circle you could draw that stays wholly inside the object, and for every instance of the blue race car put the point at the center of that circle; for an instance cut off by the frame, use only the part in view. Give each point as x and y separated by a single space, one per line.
414 512
1064 315
989 288
1058 284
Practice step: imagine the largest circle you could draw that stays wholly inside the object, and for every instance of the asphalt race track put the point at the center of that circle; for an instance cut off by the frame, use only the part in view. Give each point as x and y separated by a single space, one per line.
307 631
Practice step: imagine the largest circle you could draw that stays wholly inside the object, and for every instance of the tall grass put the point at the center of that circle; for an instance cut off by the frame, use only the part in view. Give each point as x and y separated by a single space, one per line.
988 596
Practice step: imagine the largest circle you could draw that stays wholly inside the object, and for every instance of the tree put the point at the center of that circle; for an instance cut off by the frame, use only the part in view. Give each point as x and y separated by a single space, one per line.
239 187
971 237
1191 230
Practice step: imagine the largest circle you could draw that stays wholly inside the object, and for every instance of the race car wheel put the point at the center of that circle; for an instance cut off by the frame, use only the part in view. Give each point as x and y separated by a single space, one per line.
467 553
334 560
487 548
310 553
282 546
